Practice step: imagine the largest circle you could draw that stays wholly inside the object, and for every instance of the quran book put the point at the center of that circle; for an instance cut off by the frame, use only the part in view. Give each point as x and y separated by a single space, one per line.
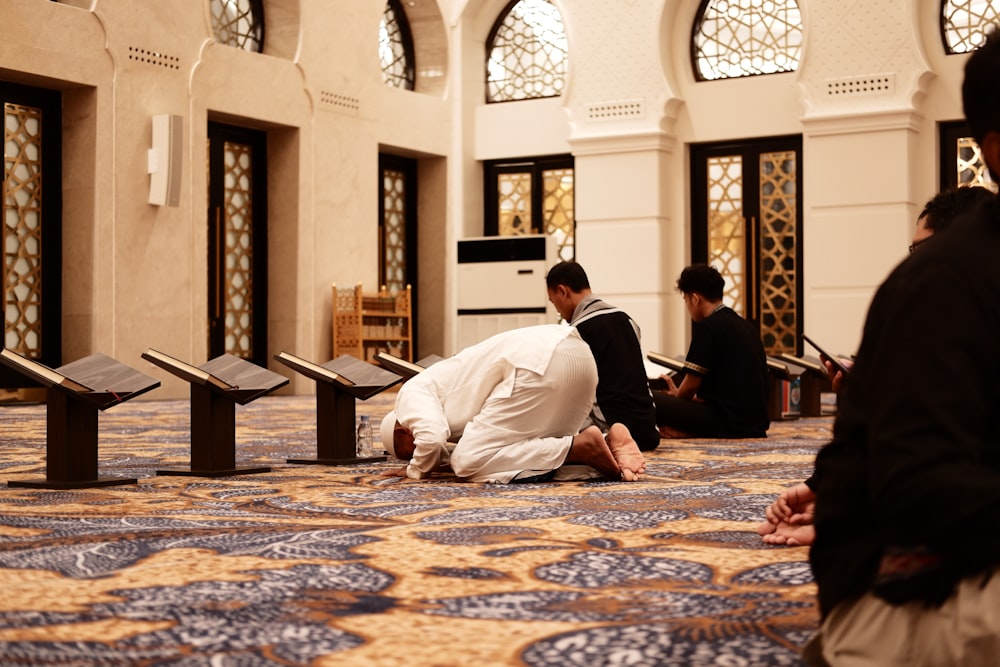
40 372
312 370
401 366
673 364
804 362
184 370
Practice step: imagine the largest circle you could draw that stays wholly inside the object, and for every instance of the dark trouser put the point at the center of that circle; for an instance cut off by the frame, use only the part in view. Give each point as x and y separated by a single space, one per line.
690 417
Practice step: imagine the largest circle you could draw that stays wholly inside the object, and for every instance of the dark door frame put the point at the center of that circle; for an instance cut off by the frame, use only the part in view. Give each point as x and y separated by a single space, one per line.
218 134
50 102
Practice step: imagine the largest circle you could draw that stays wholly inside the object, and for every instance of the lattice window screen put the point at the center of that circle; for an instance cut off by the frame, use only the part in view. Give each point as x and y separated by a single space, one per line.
394 229
734 38
395 47
965 23
238 192
971 168
778 252
557 207
727 227
527 53
238 23
22 229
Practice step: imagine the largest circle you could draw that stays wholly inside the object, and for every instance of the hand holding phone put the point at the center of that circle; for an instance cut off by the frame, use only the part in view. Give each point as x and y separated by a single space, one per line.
826 356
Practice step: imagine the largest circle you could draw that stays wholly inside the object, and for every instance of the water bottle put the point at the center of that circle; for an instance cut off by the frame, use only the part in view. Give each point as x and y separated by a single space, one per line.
365 437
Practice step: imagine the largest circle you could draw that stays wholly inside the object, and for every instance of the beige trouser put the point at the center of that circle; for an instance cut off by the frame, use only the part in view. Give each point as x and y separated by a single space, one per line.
870 632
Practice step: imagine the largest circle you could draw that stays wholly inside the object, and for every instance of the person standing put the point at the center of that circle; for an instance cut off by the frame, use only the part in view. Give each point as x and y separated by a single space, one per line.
623 394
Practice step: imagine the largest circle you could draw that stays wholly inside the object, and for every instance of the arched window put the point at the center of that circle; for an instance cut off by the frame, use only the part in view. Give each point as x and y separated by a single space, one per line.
733 38
239 23
526 52
395 47
965 23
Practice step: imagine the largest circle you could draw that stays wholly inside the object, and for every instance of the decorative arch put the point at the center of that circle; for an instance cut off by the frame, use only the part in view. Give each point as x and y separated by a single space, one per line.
736 38
526 52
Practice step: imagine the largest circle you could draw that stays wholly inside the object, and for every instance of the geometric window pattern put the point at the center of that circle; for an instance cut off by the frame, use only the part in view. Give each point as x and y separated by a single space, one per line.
22 229
727 227
239 23
395 47
527 53
514 204
778 253
238 194
734 38
971 167
557 207
965 23
394 230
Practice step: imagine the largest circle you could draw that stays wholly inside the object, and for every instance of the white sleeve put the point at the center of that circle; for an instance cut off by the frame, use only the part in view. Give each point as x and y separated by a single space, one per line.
419 408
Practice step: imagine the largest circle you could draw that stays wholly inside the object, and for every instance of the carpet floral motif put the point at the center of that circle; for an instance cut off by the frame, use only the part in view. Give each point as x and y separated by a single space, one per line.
337 565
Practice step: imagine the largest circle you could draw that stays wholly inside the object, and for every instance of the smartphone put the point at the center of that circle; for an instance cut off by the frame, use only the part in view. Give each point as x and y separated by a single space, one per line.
826 356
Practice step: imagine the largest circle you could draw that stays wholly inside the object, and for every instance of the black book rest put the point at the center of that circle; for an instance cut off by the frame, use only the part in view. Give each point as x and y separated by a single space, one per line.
785 397
216 387
815 381
338 383
74 394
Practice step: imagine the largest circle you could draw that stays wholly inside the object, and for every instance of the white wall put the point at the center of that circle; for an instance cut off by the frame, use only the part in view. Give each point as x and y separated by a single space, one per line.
138 271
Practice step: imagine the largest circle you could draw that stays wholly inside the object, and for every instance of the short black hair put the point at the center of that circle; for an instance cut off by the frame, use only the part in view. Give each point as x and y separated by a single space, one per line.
569 274
942 209
702 279
981 88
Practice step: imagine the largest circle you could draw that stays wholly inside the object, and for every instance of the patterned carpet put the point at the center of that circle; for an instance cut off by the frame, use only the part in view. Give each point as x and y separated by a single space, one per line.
319 565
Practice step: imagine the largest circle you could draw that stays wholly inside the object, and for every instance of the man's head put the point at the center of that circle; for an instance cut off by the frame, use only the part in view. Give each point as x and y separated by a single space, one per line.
397 440
702 287
942 209
567 284
981 99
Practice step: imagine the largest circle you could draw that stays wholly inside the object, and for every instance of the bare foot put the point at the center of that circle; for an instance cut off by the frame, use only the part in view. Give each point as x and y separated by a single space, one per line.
590 448
765 527
626 452
671 432
788 534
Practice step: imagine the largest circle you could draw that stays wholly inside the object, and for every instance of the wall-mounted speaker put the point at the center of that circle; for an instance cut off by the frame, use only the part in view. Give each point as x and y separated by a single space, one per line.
164 160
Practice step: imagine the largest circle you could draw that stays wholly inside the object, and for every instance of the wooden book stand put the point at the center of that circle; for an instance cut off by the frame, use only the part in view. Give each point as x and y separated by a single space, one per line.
815 381
74 394
216 387
338 383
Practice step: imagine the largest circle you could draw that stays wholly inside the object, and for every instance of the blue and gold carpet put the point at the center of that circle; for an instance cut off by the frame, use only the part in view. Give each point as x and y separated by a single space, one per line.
318 565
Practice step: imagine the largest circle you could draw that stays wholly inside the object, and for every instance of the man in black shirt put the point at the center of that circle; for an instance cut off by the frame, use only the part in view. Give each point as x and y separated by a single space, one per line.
908 491
623 394
725 388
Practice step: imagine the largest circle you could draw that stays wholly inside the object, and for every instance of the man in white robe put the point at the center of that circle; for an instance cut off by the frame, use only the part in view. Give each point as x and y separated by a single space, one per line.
513 405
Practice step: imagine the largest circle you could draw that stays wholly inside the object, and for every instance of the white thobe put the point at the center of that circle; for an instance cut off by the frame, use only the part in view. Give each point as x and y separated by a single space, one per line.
511 403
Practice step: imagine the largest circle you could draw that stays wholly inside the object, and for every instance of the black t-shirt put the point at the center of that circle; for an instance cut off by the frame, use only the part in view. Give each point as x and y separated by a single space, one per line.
914 465
727 354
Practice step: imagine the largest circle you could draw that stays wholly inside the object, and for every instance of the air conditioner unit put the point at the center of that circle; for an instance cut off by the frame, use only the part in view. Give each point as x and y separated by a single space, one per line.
501 285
